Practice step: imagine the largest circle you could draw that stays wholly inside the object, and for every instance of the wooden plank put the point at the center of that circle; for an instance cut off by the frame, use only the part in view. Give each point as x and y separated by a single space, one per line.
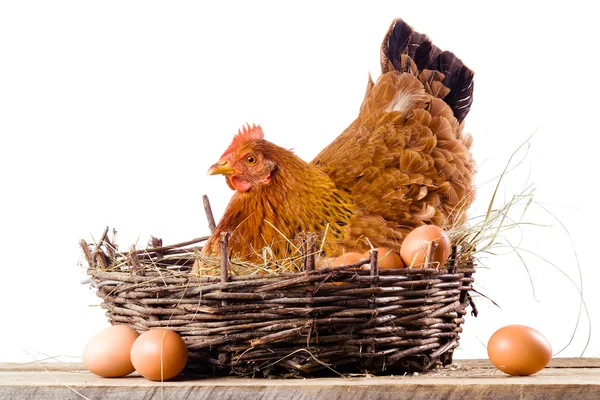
460 364
554 363
564 378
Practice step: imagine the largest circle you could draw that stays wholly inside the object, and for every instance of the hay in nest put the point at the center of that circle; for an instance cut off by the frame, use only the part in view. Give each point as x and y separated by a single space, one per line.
309 323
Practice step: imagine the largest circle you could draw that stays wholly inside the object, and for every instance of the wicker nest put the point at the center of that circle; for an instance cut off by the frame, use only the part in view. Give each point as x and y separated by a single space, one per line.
309 323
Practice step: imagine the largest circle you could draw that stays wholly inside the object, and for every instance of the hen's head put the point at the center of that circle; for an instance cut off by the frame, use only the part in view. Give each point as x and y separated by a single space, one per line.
244 163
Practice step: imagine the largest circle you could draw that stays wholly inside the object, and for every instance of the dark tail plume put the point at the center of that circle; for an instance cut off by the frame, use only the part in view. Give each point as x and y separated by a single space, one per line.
402 40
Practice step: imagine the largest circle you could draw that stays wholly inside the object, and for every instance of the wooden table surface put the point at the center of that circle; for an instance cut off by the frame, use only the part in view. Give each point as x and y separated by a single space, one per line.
564 378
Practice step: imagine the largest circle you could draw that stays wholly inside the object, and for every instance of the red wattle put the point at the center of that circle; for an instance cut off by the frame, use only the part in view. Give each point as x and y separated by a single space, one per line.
241 185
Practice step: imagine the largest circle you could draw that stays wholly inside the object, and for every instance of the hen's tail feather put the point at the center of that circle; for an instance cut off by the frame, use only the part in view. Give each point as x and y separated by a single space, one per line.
401 39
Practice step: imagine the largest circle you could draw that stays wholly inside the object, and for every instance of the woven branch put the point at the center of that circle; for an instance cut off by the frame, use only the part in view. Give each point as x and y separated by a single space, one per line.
304 323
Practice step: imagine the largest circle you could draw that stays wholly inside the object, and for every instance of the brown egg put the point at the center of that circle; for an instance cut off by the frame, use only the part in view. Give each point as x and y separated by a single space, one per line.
416 246
386 258
159 354
107 353
347 259
519 350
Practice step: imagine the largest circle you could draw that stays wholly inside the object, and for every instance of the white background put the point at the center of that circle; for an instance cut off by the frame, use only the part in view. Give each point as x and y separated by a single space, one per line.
111 112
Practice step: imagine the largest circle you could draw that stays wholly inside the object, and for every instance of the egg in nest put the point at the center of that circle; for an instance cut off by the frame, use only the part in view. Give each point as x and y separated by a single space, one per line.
417 245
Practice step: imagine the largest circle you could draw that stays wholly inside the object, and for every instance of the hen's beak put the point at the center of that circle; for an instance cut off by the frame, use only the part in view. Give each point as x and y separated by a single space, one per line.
221 168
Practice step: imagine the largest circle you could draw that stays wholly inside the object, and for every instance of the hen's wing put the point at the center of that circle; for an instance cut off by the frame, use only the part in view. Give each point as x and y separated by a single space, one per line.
405 159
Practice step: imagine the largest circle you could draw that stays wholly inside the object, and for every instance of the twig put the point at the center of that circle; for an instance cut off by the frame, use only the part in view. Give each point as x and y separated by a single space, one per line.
209 214
87 253
474 311
156 243
138 269
432 246
103 237
310 249
169 247
224 260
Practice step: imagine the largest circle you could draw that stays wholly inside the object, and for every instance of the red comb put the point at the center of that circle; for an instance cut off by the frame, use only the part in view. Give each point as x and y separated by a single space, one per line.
249 133
245 134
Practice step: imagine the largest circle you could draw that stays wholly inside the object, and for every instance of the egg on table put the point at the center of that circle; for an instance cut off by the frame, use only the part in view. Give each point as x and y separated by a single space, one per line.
107 354
519 350
159 354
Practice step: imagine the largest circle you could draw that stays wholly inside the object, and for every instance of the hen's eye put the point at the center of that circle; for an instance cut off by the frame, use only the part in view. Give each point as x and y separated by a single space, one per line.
250 160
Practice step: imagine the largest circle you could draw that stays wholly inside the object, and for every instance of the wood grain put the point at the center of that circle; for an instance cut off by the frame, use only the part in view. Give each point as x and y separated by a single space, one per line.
564 378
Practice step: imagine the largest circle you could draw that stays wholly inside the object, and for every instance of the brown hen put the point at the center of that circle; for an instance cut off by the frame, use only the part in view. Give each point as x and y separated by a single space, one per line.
402 163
